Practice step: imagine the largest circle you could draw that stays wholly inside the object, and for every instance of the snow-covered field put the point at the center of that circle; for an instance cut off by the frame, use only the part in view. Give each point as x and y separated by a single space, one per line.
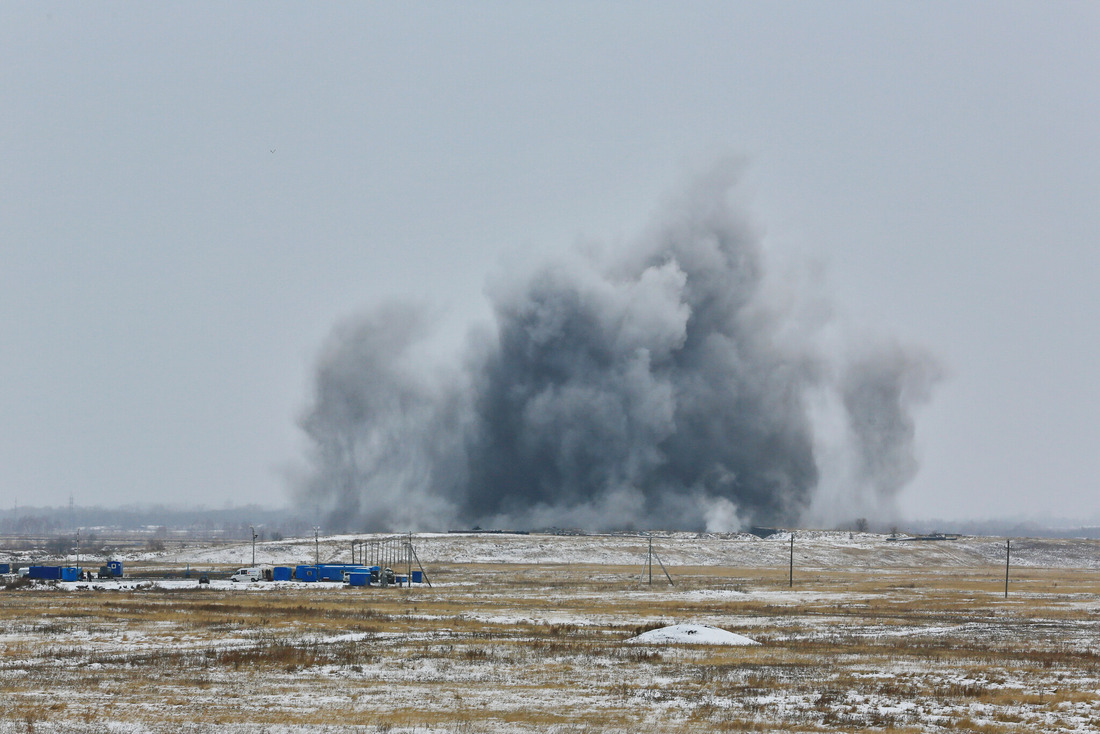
535 633
813 549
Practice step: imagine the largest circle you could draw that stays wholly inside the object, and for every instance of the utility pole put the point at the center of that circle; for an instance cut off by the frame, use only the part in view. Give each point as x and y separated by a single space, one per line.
651 560
649 563
317 544
253 544
790 582
1008 553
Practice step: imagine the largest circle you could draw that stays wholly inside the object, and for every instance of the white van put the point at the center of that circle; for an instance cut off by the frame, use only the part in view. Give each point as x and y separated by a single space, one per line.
247 574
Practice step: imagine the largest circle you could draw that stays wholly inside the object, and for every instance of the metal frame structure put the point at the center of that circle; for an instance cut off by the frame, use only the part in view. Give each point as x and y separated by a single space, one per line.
394 552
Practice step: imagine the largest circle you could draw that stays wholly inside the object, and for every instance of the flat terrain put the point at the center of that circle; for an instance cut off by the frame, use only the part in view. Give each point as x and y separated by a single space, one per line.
530 633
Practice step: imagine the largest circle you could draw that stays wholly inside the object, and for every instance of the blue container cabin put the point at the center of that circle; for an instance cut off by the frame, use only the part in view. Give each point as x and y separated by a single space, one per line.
46 573
115 567
281 573
336 571
5 568
349 570
359 578
305 573
70 574
418 577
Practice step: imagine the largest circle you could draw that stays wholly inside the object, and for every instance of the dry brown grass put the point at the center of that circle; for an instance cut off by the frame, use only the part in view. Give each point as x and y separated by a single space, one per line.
540 648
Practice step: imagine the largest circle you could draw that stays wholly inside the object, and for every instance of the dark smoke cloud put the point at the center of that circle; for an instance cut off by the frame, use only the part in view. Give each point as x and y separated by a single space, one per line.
663 386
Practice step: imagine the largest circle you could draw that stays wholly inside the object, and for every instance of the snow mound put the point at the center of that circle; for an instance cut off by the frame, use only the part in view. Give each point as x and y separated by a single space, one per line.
691 634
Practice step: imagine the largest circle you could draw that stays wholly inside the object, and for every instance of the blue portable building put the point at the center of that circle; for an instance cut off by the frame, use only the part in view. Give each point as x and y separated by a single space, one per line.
115 567
48 573
418 577
281 573
359 578
70 573
351 569
305 573
5 568
336 571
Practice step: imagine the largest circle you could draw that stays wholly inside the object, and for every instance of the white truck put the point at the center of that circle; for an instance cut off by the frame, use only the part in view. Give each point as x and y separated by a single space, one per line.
247 574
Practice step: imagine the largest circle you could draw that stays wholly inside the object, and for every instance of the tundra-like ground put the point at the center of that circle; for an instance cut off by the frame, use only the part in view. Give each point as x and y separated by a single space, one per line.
530 634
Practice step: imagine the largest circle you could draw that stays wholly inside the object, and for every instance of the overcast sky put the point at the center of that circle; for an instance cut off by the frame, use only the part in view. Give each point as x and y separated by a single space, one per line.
192 195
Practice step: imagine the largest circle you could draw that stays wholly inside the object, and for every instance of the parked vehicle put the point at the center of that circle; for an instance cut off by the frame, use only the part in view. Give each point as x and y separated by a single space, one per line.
247 574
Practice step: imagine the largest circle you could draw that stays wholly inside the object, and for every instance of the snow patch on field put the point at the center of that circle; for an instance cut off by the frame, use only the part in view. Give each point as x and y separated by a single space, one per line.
691 634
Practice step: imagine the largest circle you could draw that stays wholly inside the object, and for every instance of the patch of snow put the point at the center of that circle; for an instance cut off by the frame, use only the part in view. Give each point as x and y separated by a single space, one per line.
691 634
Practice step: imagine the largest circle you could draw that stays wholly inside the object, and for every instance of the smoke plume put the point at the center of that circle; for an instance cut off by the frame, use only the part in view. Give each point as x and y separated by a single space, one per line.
664 386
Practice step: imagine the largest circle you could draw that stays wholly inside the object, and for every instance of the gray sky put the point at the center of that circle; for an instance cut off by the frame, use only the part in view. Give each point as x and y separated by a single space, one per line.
192 195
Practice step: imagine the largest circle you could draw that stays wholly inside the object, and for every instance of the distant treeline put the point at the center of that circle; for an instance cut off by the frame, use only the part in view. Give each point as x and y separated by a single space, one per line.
229 522
1005 529
232 523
